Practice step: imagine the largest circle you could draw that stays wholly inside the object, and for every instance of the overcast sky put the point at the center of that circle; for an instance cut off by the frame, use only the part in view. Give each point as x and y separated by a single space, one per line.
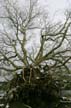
55 7
54 4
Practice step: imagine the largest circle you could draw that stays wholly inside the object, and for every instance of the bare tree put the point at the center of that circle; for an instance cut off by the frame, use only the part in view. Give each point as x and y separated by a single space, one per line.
18 27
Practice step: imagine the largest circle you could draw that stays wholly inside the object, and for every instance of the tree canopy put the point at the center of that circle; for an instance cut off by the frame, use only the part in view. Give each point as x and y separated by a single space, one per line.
19 29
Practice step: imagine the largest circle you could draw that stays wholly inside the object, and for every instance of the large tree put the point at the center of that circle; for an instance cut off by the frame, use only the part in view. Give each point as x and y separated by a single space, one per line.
18 46
30 42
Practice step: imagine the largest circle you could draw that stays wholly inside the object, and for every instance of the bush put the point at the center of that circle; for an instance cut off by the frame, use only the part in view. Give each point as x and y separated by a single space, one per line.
40 93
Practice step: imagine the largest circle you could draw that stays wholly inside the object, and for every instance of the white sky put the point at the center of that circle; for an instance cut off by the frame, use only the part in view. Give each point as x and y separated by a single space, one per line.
55 7
56 4
53 4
